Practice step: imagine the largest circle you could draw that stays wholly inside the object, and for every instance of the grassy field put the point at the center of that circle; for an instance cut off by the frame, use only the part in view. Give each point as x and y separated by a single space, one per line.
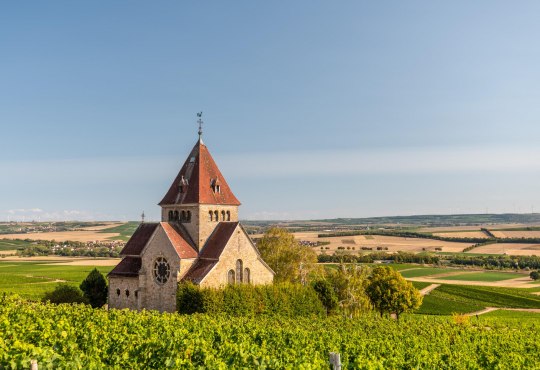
507 314
9 244
32 279
424 271
484 276
449 299
125 230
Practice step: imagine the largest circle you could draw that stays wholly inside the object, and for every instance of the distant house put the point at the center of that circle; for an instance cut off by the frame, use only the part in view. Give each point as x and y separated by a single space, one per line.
199 239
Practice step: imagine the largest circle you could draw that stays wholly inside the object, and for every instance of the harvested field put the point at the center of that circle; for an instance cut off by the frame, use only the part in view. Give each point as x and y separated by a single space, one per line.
514 249
463 234
76 236
442 229
516 234
393 243
65 261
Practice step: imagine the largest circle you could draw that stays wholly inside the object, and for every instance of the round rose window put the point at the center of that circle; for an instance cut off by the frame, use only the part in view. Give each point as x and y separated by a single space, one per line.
162 270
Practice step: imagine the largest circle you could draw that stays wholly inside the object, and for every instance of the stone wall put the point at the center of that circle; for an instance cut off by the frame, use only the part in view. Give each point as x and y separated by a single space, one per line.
239 247
156 296
206 227
124 292
200 227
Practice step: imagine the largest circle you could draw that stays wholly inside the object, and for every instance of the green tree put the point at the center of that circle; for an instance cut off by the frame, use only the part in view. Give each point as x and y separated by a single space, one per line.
327 295
535 275
350 282
389 292
290 261
94 288
64 293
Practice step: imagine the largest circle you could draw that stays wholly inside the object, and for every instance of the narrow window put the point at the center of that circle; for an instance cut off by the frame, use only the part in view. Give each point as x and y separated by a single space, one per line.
218 188
222 215
228 215
171 215
127 292
216 216
136 293
247 276
183 216
211 216
188 216
176 215
239 271
118 292
230 277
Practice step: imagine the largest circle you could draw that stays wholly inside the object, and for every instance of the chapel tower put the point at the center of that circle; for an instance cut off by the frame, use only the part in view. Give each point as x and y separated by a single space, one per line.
199 196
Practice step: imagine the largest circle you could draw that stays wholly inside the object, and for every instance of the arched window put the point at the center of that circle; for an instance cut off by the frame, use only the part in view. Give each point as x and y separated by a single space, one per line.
211 216
183 216
230 277
176 215
239 271
171 215
228 215
117 291
216 216
127 292
188 219
222 215
247 276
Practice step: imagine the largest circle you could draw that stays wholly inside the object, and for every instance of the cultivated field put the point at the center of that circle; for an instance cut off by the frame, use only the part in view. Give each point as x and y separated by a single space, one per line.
513 249
393 243
463 234
113 230
38 275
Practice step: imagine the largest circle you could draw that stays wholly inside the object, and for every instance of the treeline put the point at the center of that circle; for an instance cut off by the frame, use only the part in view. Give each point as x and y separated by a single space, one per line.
513 262
489 262
70 249
399 257
413 234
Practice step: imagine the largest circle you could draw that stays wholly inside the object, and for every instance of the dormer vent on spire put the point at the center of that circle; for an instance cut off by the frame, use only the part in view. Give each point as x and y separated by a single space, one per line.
182 186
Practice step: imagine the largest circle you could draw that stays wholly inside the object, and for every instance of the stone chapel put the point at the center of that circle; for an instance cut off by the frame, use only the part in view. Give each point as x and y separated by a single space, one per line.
199 239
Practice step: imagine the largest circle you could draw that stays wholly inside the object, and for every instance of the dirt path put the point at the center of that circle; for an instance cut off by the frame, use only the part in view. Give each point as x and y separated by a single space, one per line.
481 312
510 283
491 309
428 289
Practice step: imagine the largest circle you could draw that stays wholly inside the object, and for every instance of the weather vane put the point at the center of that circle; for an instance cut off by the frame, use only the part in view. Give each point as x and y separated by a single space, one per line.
200 122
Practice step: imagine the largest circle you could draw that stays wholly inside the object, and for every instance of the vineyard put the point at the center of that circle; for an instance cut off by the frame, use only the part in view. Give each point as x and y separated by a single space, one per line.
79 337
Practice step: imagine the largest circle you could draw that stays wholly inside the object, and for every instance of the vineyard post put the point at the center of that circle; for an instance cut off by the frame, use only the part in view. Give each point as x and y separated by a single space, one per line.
335 360
33 365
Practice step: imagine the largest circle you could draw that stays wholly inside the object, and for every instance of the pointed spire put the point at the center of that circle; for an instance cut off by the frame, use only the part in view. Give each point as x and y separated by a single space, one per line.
142 217
200 122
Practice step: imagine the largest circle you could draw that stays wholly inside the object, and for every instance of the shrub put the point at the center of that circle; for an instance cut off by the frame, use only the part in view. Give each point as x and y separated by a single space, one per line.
247 300
64 293
535 275
326 294
94 288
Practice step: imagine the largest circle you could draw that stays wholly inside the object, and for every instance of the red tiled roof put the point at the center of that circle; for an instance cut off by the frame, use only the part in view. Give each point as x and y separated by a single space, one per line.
179 239
199 270
218 239
138 240
128 267
196 178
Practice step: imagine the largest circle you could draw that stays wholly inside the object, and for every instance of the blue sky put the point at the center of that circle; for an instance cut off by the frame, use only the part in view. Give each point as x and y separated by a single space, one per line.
312 109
